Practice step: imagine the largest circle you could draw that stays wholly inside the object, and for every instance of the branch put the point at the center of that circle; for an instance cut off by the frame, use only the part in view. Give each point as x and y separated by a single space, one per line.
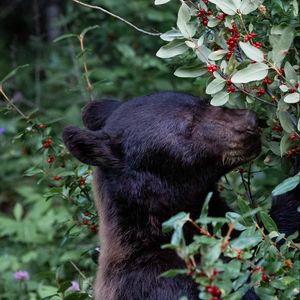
117 17
12 104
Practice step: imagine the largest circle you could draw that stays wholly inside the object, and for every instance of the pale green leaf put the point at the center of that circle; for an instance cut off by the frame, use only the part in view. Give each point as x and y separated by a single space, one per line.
292 98
283 88
286 186
203 52
172 49
215 86
171 35
160 2
285 121
249 6
184 15
217 55
268 222
295 7
190 71
252 72
285 144
289 72
252 52
227 6
220 99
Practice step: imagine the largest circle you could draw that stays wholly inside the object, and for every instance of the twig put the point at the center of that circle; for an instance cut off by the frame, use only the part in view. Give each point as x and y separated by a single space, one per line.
227 237
117 17
12 104
78 270
88 83
202 230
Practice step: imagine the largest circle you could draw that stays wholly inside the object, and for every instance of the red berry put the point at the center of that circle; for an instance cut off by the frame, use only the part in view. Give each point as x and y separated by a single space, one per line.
228 81
215 272
81 181
87 214
253 34
265 277
57 178
209 13
85 221
201 12
293 136
230 89
204 22
50 159
257 45
93 228
210 289
41 126
260 92
221 17
205 1
292 90
267 80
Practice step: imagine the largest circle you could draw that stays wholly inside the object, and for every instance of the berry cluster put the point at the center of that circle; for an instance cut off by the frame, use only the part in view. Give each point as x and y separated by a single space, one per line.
293 152
221 17
232 40
264 277
214 291
249 37
47 143
267 80
231 89
202 13
50 159
212 68
260 92
86 221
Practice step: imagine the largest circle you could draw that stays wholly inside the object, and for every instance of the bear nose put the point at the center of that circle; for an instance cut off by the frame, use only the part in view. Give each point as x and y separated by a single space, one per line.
251 119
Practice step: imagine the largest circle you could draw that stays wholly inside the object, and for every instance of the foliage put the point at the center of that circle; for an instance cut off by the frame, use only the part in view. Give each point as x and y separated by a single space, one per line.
48 221
249 53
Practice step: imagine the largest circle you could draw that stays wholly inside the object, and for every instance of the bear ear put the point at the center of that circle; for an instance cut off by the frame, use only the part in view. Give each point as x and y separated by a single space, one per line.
91 148
95 113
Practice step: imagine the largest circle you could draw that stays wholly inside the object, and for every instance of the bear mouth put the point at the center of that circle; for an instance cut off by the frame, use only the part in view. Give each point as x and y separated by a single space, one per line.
244 153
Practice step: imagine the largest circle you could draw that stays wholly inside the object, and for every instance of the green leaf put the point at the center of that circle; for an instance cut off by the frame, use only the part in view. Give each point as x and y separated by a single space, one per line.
285 144
179 219
173 272
184 16
172 49
18 211
229 7
215 86
160 2
285 121
204 210
286 186
190 71
220 99
281 44
13 73
292 98
65 36
289 72
203 53
249 6
268 222
252 72
86 30
245 242
217 55
252 52
171 35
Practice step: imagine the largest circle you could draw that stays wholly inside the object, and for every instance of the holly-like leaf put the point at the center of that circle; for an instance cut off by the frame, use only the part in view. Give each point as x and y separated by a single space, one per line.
287 185
190 71
249 6
215 86
217 55
229 7
292 98
252 52
172 49
160 2
220 99
268 222
252 72
285 121
184 15
171 35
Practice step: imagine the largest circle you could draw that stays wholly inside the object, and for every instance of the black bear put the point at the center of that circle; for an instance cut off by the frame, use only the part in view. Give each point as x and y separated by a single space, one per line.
155 155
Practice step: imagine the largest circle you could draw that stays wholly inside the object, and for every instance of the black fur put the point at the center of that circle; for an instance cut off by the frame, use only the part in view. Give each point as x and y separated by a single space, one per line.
156 155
